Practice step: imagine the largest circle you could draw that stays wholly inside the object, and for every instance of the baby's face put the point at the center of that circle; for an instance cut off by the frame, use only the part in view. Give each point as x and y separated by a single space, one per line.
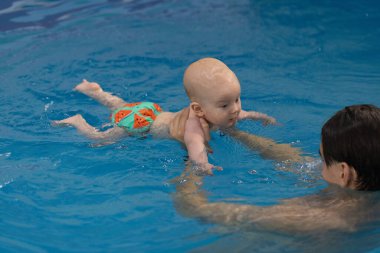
221 102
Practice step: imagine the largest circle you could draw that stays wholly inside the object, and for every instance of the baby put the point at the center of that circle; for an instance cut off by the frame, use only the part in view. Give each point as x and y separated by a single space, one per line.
214 93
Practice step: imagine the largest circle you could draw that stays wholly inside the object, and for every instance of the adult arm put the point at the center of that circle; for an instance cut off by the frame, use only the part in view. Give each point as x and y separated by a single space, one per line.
296 215
268 148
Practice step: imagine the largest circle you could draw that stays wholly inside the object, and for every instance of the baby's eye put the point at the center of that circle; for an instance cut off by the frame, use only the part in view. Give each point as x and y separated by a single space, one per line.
224 106
237 100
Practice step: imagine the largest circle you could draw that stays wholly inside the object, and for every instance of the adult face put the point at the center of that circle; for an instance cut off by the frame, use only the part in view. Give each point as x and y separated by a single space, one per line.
339 173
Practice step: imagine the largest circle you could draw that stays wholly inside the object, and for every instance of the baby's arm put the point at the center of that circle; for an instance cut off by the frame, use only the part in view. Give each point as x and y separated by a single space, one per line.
257 116
194 138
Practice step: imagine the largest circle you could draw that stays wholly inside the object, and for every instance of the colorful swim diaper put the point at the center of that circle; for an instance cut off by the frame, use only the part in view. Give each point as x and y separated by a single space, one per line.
136 117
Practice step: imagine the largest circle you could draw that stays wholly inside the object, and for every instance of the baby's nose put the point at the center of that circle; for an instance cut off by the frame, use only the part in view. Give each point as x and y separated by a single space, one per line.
236 108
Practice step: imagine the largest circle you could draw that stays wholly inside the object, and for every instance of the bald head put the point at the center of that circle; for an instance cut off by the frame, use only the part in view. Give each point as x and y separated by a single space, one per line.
205 75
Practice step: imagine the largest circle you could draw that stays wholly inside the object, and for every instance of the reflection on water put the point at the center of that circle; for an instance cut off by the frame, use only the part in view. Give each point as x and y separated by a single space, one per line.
308 173
272 242
39 13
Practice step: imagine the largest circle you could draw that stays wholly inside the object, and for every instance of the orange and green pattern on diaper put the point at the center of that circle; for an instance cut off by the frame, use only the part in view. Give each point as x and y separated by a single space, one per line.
136 117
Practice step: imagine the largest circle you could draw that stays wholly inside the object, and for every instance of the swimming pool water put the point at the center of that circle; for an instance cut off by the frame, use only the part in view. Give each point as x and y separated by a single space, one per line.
298 61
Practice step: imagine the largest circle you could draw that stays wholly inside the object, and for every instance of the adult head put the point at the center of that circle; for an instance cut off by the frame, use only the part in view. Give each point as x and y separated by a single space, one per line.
350 148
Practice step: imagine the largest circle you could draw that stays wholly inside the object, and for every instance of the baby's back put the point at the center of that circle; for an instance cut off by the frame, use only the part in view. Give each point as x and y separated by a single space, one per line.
170 124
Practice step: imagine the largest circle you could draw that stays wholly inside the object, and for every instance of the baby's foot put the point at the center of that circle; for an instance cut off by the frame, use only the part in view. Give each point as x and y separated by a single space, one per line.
86 86
68 121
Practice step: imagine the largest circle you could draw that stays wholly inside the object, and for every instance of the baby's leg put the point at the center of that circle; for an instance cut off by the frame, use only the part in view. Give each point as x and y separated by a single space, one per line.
94 91
83 127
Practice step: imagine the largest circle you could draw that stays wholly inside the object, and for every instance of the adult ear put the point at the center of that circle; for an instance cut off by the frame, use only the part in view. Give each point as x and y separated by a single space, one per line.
348 175
197 109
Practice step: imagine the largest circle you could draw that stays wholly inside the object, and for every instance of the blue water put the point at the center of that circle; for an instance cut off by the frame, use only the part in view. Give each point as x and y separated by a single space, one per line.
298 61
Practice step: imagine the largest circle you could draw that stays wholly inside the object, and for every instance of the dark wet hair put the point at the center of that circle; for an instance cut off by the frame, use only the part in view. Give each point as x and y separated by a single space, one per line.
352 135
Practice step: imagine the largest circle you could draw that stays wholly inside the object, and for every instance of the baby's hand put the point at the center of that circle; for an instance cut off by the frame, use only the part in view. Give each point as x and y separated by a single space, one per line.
267 120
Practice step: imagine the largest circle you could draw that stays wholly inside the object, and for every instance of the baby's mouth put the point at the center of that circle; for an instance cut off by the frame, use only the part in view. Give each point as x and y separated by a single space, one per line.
233 120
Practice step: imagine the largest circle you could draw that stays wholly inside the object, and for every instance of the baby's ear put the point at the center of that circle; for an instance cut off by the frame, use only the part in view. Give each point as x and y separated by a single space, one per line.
197 109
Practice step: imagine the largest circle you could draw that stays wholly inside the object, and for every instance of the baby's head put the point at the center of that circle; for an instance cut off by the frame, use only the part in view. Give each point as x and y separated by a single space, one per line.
206 75
214 91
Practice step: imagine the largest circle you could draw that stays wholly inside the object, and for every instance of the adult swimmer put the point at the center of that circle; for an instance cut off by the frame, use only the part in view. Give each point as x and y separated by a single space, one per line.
349 150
